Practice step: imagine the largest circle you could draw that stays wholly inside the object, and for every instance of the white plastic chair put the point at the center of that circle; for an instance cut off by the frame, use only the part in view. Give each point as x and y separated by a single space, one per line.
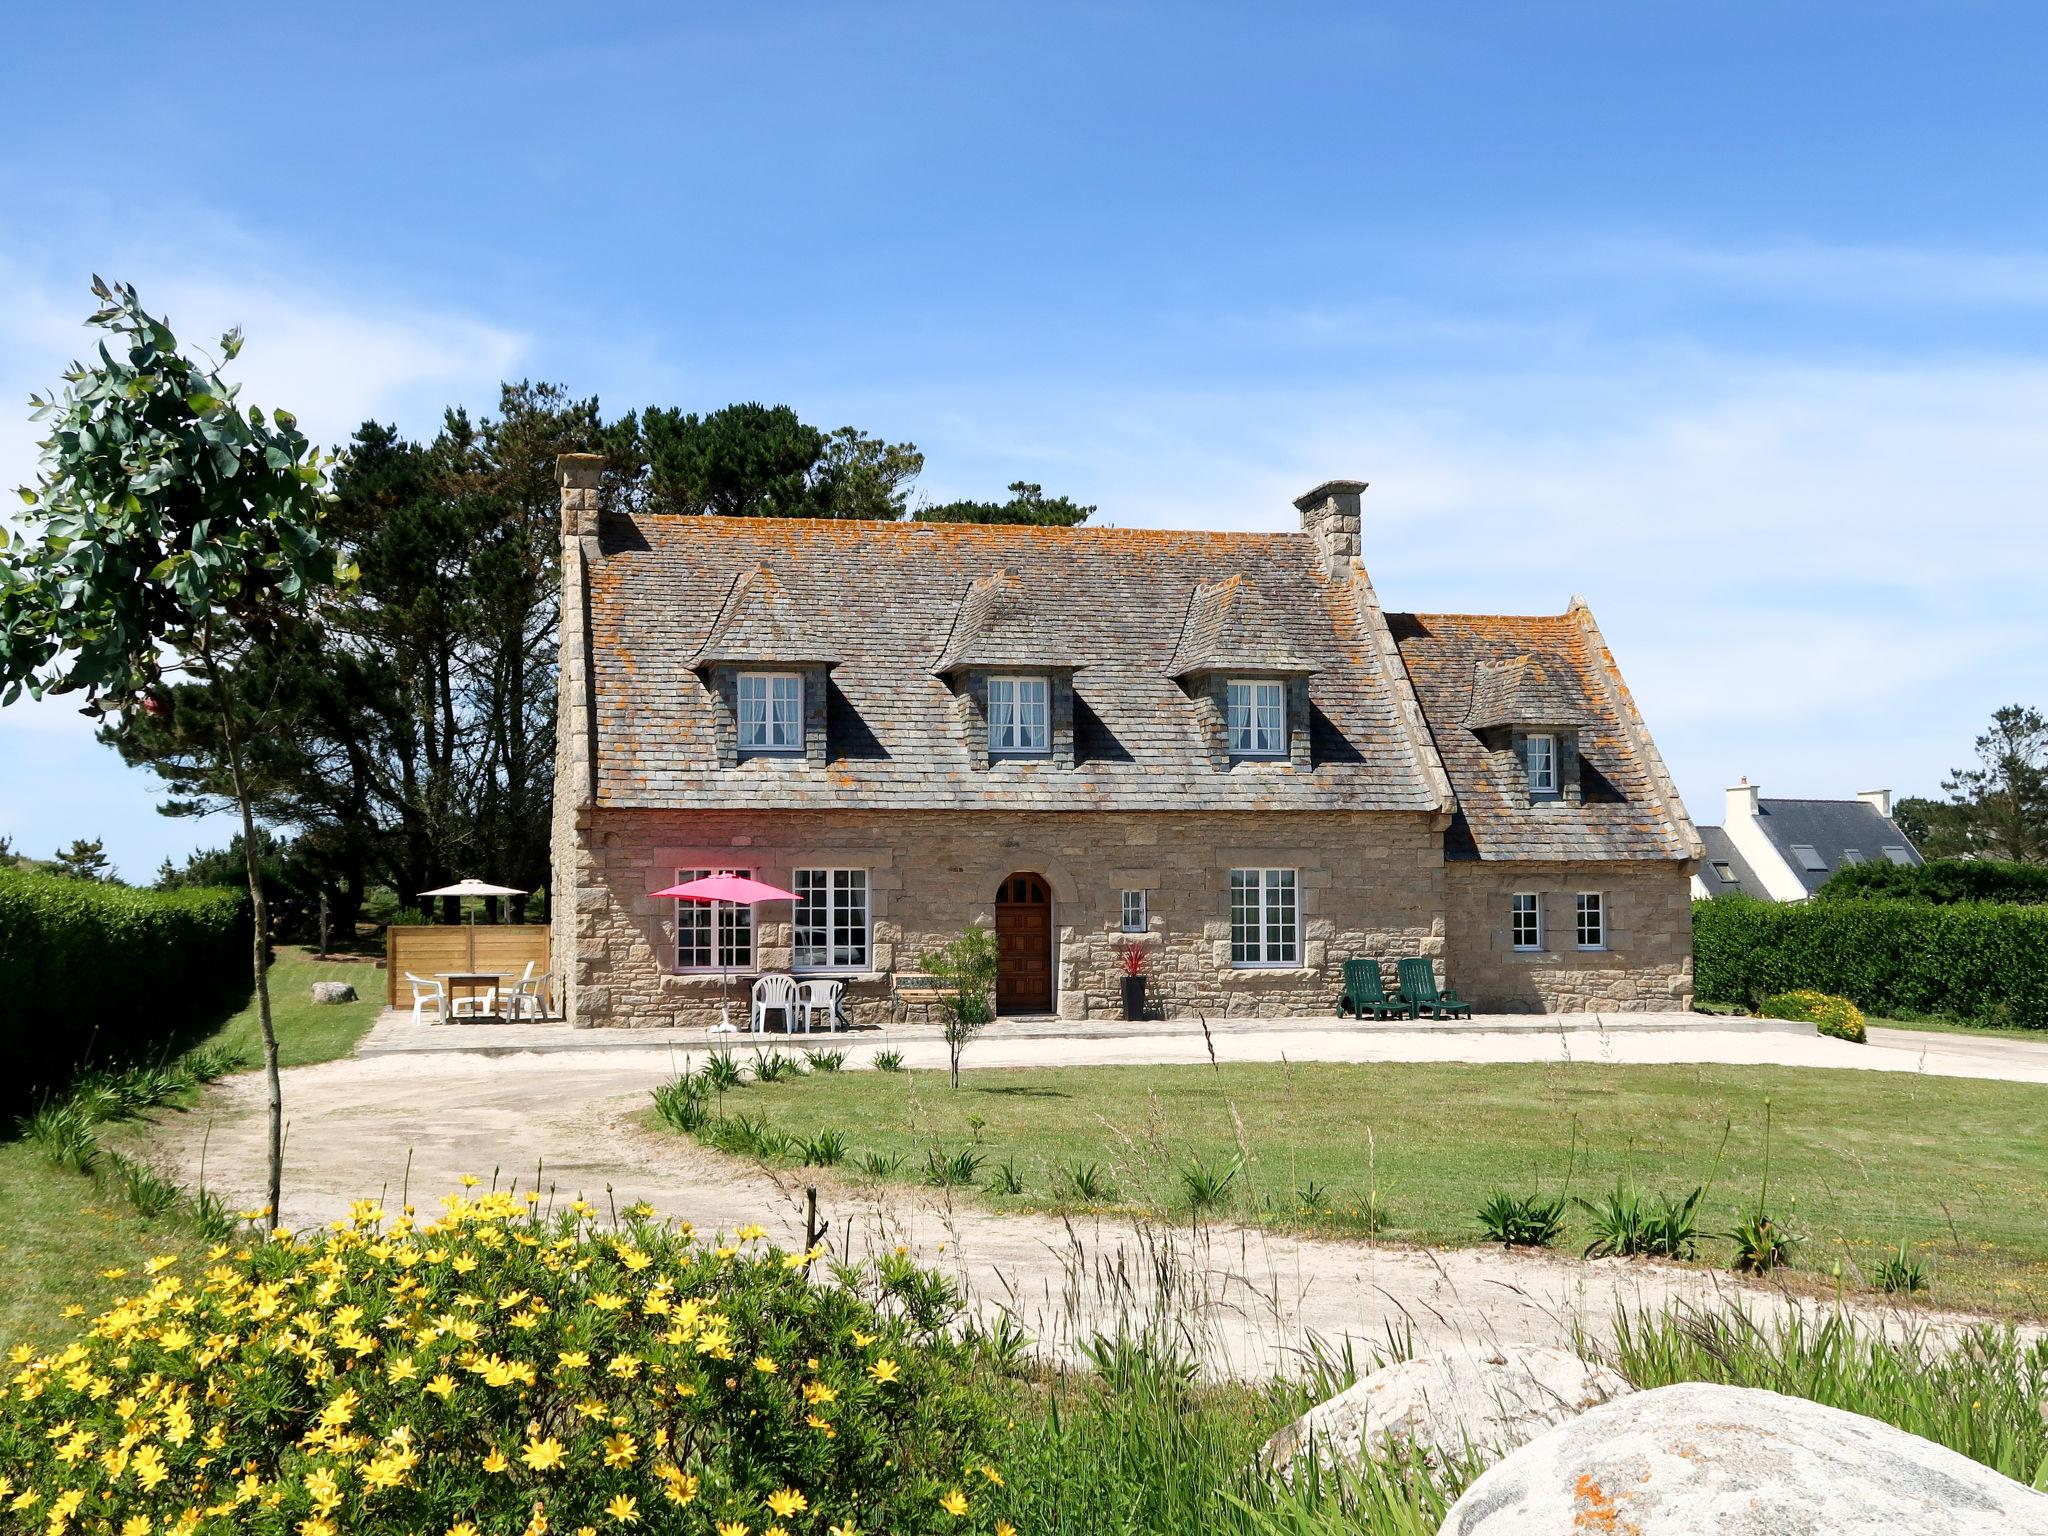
822 997
476 1005
528 993
425 991
771 993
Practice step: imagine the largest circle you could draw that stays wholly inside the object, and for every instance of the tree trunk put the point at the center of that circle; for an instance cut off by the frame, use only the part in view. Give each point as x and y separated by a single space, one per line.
260 923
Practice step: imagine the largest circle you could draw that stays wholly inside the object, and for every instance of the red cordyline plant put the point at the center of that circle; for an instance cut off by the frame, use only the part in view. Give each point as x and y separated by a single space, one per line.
1134 957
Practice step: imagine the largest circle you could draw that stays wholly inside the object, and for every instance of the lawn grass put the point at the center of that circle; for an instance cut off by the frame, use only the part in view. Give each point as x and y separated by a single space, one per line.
307 1032
59 1231
1956 1168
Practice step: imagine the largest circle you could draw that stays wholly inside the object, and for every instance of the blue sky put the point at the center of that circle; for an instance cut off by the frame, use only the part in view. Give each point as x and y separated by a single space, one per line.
1733 318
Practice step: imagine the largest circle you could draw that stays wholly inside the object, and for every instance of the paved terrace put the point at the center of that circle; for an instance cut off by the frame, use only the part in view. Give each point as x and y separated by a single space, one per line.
1641 1039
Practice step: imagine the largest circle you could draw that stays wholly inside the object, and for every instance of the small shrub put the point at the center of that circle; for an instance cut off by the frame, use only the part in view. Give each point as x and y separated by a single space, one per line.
1522 1221
1206 1185
1899 1274
1835 1016
681 1104
825 1061
827 1149
1087 1181
744 1136
148 1191
722 1073
773 1066
65 1135
880 1166
950 1170
1627 1223
1007 1180
622 1378
888 1061
1762 1243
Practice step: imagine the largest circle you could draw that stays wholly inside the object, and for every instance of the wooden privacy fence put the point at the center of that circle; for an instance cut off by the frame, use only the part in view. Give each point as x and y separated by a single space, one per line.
430 950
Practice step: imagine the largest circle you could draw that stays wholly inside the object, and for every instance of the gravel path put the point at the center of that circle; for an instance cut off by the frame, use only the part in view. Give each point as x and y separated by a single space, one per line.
1251 1301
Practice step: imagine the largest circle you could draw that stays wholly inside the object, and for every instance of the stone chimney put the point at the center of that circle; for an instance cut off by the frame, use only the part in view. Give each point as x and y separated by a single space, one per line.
580 475
1741 802
1330 514
1880 798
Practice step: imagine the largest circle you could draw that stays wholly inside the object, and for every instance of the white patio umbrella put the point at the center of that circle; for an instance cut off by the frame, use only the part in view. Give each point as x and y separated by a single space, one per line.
473 888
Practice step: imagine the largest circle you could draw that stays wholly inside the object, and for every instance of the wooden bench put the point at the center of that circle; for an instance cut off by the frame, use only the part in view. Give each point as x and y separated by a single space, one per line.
916 989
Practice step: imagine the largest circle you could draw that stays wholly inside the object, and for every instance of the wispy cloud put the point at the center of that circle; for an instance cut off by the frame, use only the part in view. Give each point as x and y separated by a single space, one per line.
1837 274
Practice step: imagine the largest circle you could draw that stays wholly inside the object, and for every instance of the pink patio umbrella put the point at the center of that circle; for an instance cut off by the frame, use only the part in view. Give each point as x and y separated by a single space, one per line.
736 890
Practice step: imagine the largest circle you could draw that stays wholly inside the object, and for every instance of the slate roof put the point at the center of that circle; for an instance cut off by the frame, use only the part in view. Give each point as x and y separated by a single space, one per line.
1721 850
1518 691
760 620
1458 661
1830 828
886 600
998 625
1231 624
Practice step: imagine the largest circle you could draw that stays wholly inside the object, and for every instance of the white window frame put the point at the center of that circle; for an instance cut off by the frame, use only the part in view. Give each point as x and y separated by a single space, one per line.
1529 903
735 928
781 728
1255 716
1593 903
1137 912
843 887
1545 782
1276 922
1019 725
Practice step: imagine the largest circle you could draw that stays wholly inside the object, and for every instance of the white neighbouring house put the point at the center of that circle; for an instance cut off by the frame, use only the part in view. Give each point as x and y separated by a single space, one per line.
1785 850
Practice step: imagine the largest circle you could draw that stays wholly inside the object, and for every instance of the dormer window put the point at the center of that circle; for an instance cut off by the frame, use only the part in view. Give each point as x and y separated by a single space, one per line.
1542 760
1019 717
771 712
1255 717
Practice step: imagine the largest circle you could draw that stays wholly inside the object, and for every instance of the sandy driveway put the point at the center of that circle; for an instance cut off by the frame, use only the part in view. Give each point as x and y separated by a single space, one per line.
374 1124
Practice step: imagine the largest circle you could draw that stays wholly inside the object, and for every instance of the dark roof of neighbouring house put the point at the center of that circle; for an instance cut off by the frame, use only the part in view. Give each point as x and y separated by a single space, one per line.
1722 851
1832 828
887 601
1629 809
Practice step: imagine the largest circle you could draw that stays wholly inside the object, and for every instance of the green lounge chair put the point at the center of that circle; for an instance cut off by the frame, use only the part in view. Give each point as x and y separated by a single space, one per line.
1418 991
1365 993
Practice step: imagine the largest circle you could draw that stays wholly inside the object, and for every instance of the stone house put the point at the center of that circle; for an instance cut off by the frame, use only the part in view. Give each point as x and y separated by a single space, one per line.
1214 745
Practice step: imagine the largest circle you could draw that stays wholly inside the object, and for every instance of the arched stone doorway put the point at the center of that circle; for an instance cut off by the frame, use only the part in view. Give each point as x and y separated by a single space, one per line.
1024 944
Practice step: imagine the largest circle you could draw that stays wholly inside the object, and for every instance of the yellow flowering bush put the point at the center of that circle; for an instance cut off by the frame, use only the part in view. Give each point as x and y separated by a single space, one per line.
497 1370
1832 1015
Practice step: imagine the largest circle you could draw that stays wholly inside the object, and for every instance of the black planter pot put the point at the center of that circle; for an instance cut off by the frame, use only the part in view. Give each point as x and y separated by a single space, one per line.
1134 997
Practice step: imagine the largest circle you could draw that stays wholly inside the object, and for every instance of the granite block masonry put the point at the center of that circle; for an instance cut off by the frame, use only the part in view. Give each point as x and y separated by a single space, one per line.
1216 746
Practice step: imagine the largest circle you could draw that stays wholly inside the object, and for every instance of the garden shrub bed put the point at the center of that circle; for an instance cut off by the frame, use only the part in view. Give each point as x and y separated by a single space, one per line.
502 1370
1980 961
1835 1016
94 972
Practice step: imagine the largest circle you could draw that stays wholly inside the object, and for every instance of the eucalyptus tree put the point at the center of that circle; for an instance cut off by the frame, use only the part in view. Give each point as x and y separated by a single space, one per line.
174 533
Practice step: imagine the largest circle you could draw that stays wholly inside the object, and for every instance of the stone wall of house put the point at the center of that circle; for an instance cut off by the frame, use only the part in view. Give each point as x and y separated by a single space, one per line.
1647 964
1369 884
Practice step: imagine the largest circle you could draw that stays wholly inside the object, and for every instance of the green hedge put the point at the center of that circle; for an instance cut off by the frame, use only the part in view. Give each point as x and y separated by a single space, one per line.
1981 961
1945 880
103 973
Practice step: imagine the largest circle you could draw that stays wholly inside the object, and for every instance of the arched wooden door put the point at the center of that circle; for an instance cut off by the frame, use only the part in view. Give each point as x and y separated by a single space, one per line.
1024 945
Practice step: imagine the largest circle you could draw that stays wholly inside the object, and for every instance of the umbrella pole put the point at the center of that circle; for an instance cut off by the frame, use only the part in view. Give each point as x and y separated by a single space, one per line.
725 967
472 940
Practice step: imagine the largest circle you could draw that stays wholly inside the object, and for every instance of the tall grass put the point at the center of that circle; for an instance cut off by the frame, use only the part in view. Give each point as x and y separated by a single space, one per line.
1981 1392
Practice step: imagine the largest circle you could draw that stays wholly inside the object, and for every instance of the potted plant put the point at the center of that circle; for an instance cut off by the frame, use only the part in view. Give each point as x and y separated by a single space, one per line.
1135 958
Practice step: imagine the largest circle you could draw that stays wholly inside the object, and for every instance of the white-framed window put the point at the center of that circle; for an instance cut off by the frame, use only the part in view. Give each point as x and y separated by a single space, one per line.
1255 715
1526 920
1136 919
1019 716
831 925
771 712
1265 918
695 951
1592 913
1542 764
